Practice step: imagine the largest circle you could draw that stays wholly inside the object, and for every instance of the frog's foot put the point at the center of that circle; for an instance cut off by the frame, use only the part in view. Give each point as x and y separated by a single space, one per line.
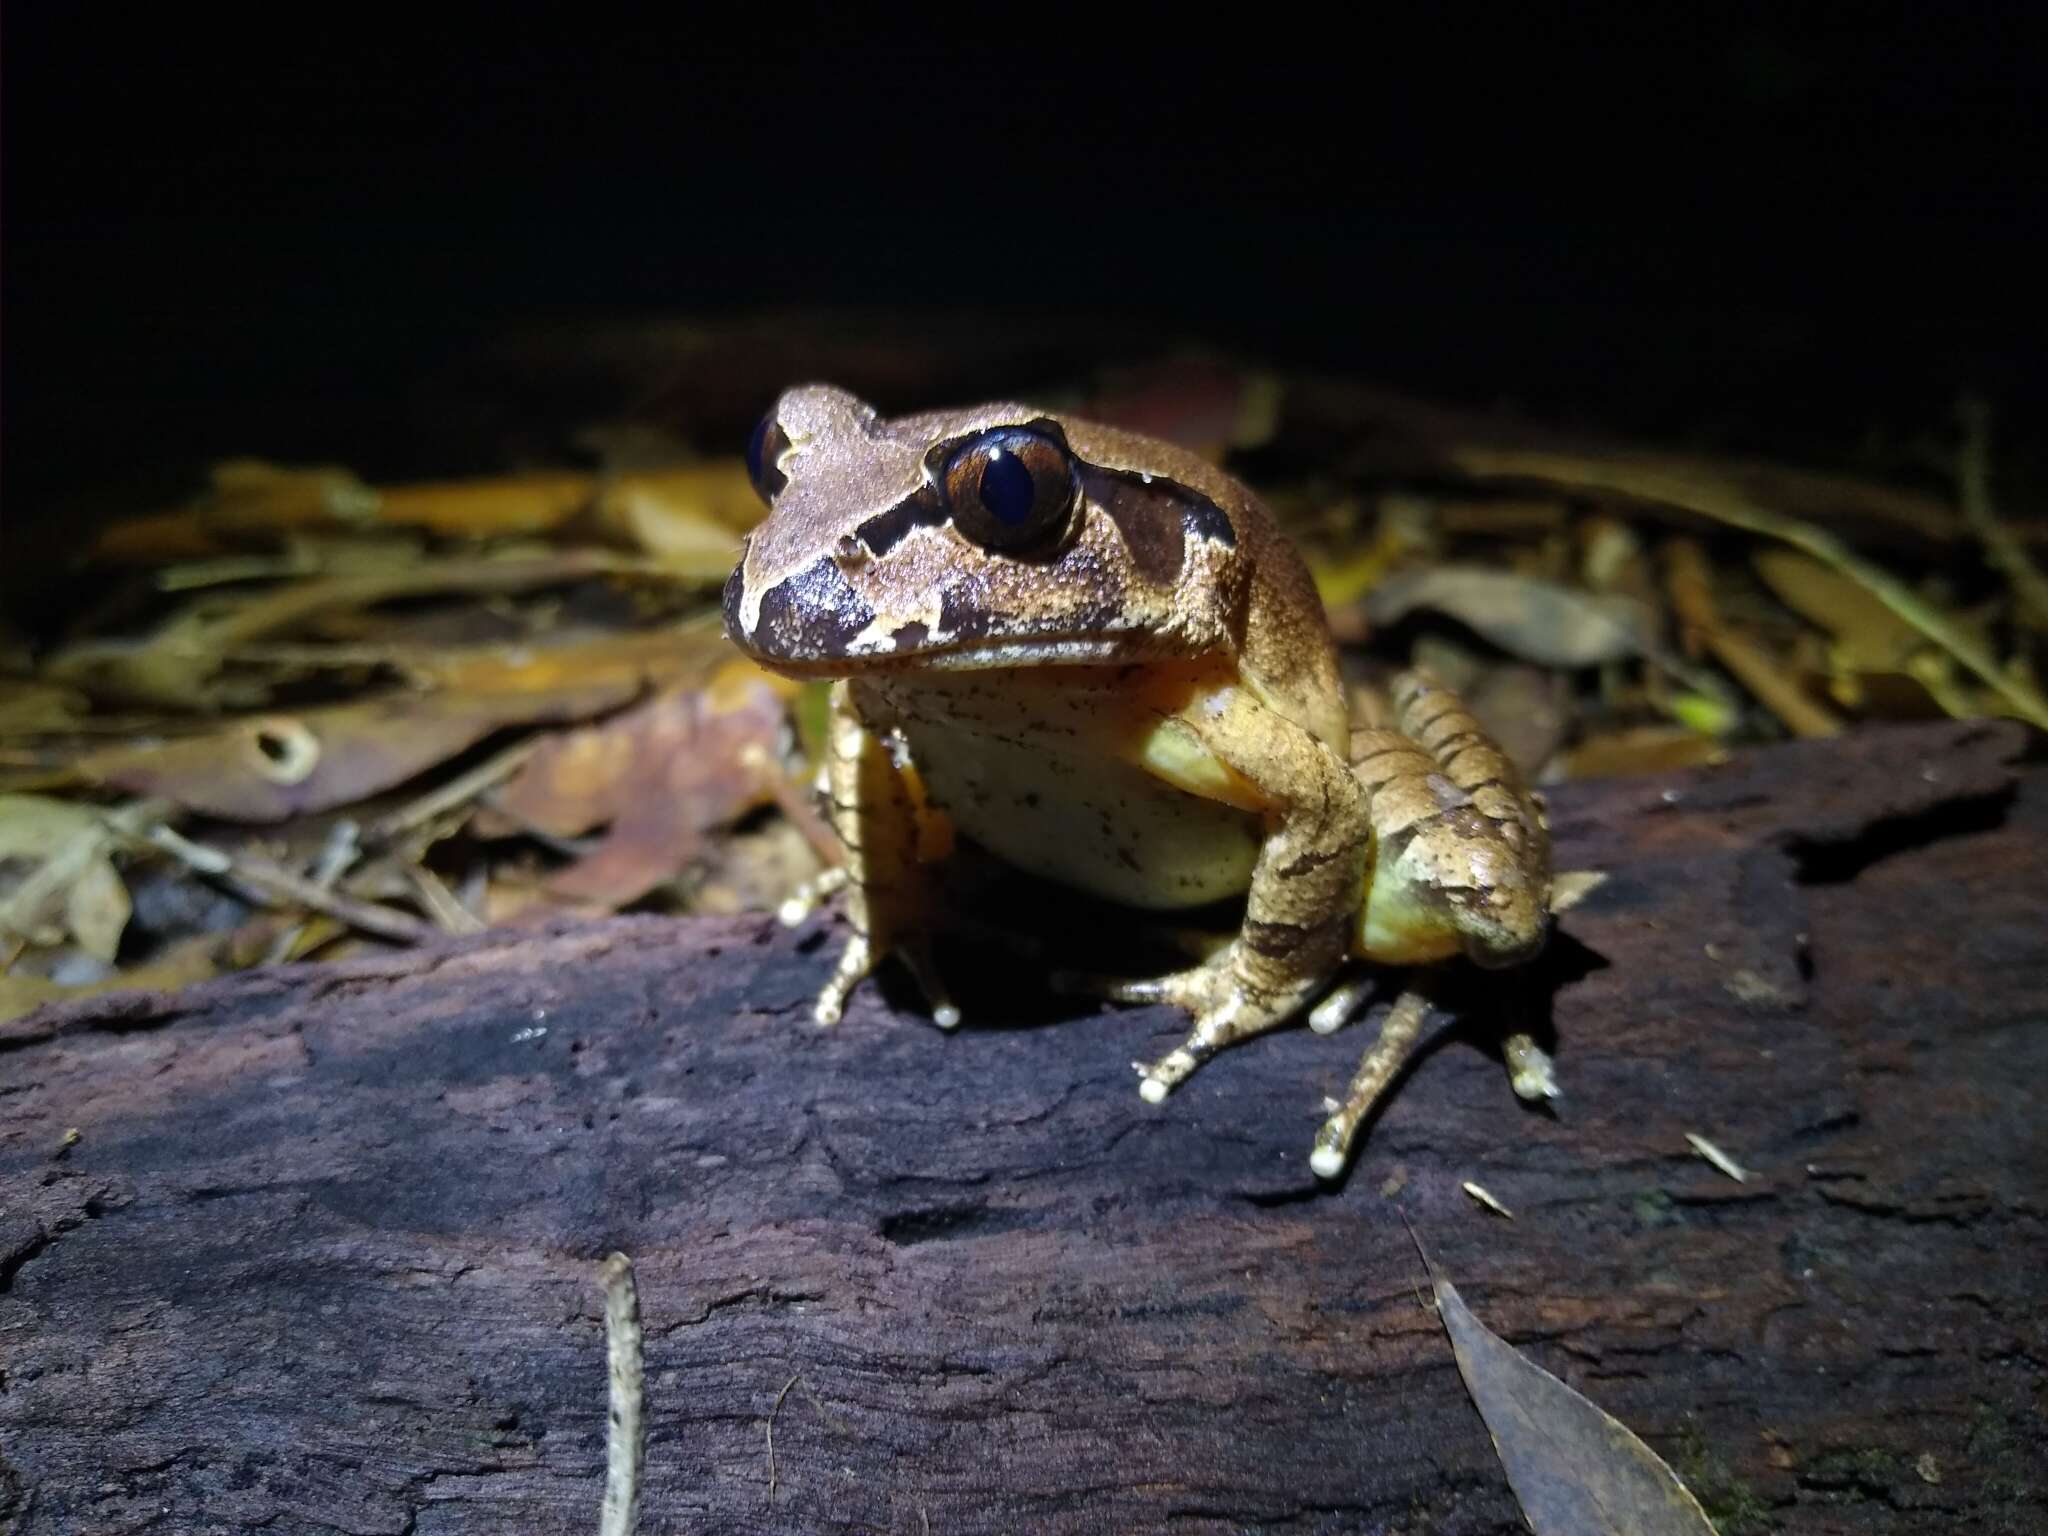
860 959
1398 1033
1227 1008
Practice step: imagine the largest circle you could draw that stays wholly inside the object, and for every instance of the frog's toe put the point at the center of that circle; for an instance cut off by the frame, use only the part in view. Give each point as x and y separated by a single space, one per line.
1398 1034
1341 1005
856 963
917 957
811 895
1116 989
861 958
1161 1077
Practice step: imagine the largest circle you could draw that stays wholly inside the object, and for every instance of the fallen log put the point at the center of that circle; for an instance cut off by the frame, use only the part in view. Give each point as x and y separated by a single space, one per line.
323 1252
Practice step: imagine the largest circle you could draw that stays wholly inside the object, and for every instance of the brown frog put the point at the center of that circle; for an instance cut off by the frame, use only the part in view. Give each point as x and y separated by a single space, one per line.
1095 655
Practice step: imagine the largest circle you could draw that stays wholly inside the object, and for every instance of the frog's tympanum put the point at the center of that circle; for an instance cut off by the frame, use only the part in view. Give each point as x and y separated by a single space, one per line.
1095 655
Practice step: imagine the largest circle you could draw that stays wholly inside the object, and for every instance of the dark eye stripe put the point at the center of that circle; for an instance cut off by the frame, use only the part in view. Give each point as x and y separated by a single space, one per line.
885 530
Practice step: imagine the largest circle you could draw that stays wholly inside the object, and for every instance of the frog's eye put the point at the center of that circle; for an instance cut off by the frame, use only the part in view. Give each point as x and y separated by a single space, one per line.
764 452
1010 487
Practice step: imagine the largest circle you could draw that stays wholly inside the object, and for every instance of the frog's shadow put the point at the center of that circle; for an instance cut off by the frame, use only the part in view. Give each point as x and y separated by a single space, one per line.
1031 929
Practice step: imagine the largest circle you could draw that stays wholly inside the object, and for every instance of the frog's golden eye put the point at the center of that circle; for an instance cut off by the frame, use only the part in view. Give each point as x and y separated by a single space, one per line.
764 452
1010 487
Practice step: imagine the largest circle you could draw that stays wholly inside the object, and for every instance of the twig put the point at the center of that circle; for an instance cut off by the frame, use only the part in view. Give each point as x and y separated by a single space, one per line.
1692 596
626 1437
794 801
771 1430
341 850
274 885
458 791
440 902
2001 548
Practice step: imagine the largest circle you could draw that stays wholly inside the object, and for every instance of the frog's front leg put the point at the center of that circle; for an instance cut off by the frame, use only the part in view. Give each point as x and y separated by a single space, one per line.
886 833
1303 899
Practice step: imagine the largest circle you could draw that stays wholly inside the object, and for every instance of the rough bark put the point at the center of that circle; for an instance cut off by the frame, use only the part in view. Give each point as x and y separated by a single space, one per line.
324 1255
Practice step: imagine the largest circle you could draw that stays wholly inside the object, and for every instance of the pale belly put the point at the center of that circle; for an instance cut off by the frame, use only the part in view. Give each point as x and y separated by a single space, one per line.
1088 820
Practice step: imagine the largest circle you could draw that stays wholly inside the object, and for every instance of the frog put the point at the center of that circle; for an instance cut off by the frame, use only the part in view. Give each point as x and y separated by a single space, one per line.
1096 655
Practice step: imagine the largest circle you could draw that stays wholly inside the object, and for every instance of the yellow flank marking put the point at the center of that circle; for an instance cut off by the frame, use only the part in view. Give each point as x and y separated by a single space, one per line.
1396 929
1171 752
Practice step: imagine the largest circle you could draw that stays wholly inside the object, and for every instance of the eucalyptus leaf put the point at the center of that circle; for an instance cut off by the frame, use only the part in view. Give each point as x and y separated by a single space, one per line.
1574 1470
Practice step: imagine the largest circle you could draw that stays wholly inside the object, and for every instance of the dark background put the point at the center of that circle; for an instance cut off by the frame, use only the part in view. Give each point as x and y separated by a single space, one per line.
1783 230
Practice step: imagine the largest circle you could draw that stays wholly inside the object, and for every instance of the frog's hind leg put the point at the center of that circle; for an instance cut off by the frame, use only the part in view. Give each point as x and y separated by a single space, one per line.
1399 1032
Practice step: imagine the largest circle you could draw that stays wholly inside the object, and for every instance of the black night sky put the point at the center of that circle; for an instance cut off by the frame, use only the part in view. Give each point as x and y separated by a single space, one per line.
239 239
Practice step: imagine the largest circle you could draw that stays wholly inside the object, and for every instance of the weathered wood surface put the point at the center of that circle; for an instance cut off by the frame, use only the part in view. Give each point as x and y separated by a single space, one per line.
324 1257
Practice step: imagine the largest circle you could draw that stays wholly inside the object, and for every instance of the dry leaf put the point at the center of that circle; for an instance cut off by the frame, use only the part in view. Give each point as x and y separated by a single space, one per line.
181 964
1485 1197
1575 1470
178 665
1535 620
248 500
660 776
272 767
68 848
1727 499
1869 637
29 708
1717 1157
1691 580
493 507
1645 749
689 517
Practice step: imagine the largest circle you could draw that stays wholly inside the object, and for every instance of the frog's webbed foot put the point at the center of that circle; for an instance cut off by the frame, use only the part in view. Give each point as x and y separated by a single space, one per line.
1228 1006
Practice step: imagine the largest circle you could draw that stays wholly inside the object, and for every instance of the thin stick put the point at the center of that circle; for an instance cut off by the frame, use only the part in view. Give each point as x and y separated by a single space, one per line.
771 1431
1692 595
626 1437
1973 490
342 849
275 886
794 801
458 791
440 902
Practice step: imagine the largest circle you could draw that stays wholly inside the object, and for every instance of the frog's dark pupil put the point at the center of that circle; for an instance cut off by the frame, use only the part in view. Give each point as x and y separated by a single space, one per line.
1007 490
755 444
